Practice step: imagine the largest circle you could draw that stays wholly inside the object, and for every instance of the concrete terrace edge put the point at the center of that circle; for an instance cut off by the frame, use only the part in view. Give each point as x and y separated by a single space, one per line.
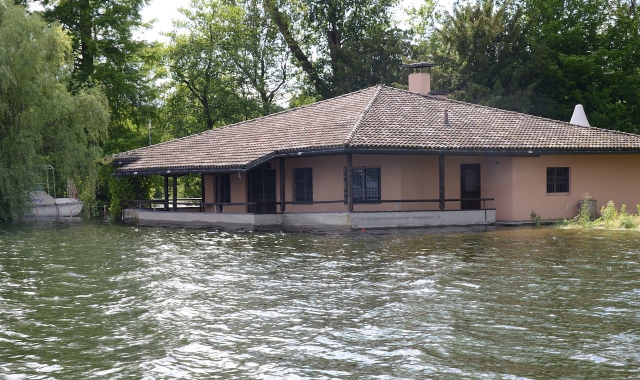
311 221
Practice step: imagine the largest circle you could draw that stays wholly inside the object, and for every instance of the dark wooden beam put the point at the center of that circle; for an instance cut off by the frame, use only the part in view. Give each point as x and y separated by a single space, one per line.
216 197
202 190
175 193
350 182
282 178
166 192
441 179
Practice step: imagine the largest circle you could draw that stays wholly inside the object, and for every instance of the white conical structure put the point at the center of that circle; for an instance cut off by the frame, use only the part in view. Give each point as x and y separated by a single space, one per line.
579 117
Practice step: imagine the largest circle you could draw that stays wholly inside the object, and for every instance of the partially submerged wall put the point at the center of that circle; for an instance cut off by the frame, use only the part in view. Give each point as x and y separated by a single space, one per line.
311 221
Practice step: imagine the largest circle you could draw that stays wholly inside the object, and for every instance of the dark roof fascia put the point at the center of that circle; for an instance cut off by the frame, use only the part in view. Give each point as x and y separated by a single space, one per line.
372 150
448 152
178 171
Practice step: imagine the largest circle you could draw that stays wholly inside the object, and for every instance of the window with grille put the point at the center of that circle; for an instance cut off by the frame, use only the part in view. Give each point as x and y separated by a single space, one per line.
224 187
366 184
302 185
557 180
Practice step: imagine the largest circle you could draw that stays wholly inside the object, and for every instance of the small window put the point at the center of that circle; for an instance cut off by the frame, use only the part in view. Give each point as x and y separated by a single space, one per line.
557 180
366 184
224 187
302 185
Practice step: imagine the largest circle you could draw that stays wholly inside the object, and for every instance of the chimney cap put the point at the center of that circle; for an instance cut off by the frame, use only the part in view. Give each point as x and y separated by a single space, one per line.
419 65
579 117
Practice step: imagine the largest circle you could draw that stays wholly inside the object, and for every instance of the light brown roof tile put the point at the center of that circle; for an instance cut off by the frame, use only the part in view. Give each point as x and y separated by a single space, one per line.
379 118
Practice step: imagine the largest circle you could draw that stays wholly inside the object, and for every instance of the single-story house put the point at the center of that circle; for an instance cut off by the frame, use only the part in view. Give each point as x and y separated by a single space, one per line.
387 157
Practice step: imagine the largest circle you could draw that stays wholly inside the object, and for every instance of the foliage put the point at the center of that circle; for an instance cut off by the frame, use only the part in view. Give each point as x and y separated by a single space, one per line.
610 218
191 186
41 122
484 55
629 222
535 218
541 57
107 55
229 67
341 45
609 214
128 188
590 52
584 214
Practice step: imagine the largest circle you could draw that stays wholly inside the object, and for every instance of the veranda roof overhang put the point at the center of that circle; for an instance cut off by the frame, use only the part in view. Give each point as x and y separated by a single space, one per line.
307 152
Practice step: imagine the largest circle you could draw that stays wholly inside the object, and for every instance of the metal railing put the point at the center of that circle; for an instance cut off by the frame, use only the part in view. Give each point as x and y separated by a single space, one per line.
196 203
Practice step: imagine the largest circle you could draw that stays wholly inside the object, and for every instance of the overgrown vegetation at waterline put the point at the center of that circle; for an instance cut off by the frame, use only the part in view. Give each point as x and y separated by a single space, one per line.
610 218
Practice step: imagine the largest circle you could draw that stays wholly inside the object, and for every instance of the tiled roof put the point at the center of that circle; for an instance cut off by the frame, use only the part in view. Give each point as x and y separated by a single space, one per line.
377 118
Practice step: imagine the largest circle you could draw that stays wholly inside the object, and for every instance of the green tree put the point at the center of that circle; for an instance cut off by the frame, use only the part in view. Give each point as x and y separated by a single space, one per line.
483 52
541 57
41 122
229 67
108 56
591 52
341 45
259 54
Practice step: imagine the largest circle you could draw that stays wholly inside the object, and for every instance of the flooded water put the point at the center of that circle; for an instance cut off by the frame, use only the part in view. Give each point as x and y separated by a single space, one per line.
88 300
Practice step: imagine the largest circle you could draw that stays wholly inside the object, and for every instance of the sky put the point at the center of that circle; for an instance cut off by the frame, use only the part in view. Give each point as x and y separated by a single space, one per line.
165 11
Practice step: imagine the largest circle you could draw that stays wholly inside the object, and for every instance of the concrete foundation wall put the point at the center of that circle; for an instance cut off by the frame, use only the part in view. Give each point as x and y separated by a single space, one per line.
191 219
422 218
318 220
310 221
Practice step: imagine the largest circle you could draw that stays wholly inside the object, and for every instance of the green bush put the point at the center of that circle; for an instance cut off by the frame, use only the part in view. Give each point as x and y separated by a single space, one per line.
628 222
535 218
127 188
609 214
584 214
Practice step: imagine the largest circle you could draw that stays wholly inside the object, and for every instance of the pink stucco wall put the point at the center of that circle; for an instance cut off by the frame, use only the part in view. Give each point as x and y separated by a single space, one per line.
238 192
518 184
603 177
209 191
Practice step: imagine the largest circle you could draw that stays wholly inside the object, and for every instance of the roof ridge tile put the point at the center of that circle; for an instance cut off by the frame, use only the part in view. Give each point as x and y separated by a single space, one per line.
363 114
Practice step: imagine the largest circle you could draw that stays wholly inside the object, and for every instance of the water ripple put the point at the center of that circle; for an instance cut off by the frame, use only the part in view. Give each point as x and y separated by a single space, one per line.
100 301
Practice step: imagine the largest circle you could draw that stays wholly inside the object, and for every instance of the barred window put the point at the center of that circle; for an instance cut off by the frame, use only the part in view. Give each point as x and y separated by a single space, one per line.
224 187
557 180
302 185
366 184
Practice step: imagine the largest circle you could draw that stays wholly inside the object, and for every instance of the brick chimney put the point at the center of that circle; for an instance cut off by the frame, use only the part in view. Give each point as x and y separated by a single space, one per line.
420 78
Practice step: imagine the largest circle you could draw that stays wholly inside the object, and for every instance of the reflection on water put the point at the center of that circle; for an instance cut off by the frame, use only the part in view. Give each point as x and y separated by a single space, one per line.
90 300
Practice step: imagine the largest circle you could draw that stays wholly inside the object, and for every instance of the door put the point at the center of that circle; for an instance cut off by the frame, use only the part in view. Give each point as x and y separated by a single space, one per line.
262 190
470 186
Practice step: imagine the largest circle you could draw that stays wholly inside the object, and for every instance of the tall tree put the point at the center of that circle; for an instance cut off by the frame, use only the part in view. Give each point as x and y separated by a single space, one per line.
107 55
258 53
41 122
544 57
483 50
341 45
591 51
230 66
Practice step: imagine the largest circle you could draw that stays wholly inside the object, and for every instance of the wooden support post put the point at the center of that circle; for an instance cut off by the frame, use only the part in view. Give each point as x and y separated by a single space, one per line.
175 193
202 192
282 185
166 193
441 180
218 192
349 182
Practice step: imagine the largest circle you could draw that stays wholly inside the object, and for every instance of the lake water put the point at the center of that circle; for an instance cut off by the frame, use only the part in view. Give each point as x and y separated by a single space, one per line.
91 300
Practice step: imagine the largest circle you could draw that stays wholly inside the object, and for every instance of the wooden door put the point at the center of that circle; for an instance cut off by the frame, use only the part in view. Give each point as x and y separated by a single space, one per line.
262 190
470 186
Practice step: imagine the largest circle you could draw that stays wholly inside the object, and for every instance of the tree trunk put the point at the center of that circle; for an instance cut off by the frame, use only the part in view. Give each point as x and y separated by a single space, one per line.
320 86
